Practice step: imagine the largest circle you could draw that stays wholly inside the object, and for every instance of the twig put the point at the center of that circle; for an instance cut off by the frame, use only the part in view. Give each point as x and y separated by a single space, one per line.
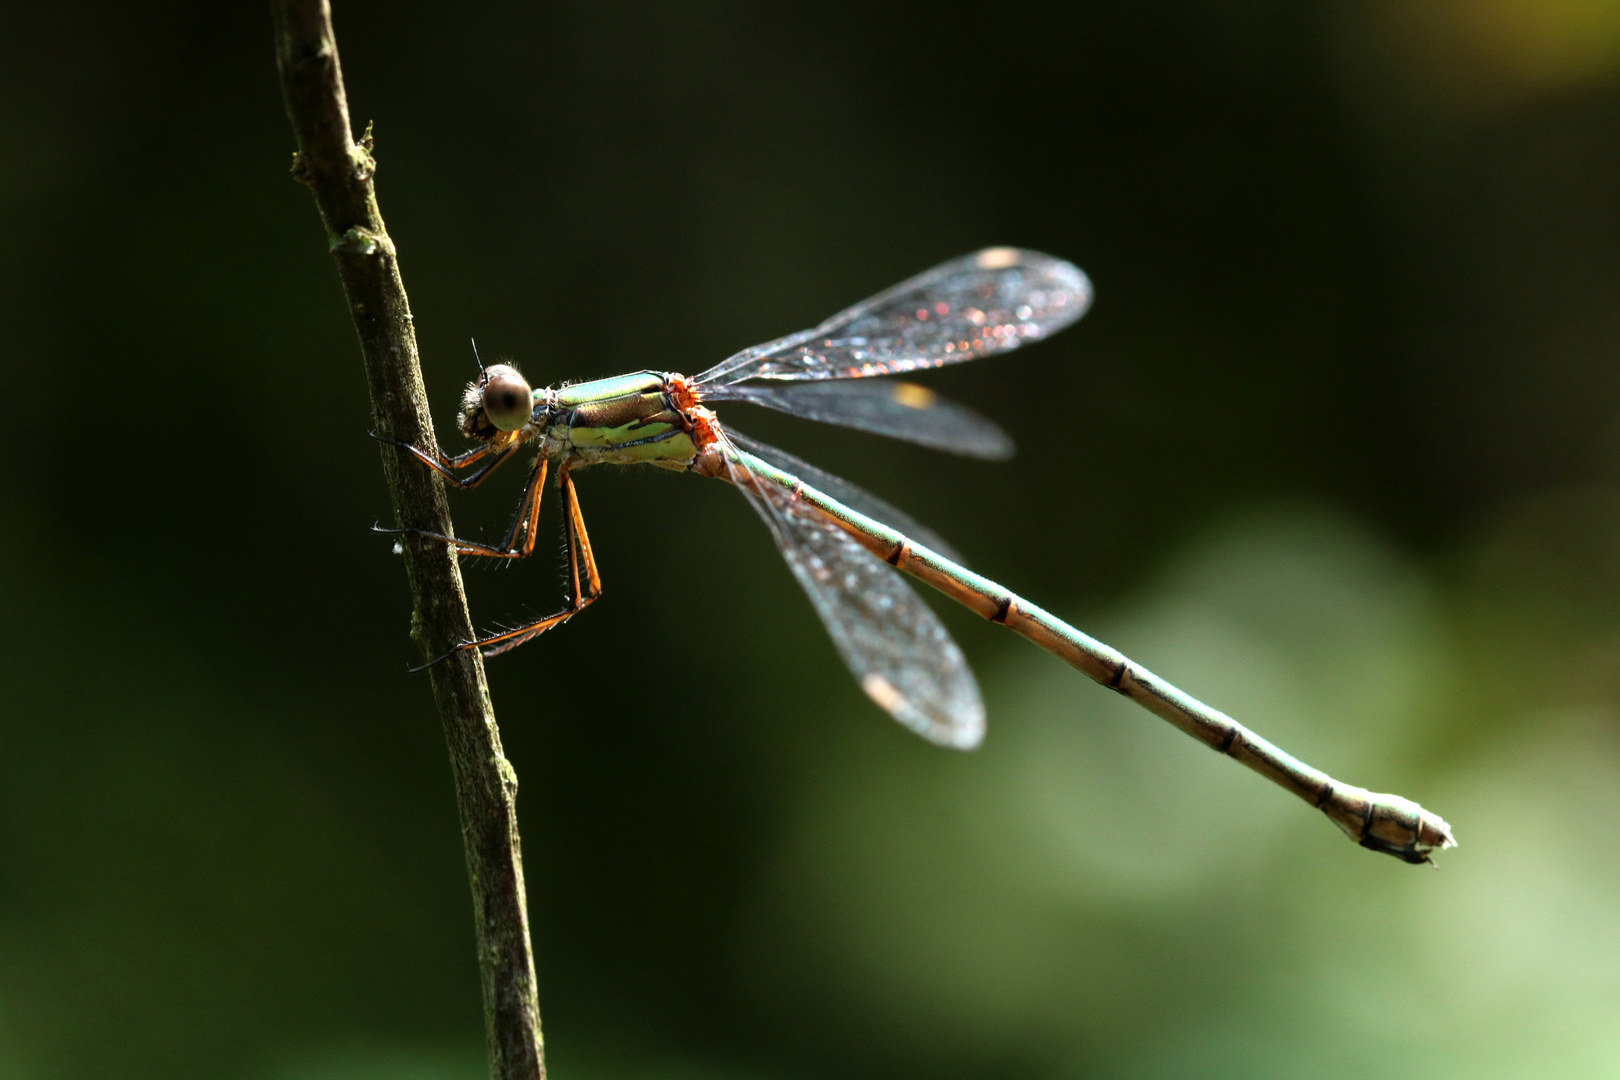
339 173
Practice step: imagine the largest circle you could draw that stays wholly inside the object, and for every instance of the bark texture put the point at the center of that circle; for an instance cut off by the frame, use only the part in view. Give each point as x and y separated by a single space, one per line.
339 172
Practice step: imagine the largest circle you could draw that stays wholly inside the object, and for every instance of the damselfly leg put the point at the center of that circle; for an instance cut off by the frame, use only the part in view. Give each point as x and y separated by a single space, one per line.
526 519
585 588
446 466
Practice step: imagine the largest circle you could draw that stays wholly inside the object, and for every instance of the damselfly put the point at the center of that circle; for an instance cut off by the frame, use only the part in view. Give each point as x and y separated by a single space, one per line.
844 544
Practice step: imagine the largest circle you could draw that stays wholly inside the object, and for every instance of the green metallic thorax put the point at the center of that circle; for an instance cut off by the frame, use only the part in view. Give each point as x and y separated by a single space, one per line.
626 420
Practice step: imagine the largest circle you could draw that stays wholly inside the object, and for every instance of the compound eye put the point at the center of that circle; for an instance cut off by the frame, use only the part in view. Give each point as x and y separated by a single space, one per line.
508 401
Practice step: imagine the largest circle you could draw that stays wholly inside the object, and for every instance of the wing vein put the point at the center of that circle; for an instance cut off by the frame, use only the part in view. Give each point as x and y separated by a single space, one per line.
890 639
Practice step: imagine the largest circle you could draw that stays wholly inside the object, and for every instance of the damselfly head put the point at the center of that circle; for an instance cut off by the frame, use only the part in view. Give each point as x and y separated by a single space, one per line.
500 399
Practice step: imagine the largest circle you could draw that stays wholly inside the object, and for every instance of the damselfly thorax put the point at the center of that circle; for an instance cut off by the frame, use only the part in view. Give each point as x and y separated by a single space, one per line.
648 418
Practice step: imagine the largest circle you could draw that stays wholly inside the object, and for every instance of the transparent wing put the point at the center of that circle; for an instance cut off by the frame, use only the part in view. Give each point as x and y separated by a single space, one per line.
974 306
900 410
891 640
856 498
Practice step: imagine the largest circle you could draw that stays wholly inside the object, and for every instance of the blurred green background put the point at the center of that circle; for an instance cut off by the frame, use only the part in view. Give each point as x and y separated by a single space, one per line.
1337 450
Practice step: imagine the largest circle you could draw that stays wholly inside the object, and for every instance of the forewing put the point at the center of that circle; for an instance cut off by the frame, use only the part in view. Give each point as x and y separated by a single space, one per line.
892 641
990 302
856 498
900 410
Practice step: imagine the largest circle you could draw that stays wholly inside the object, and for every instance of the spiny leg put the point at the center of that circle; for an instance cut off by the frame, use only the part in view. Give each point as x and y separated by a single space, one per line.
585 590
578 534
461 460
446 466
527 518
579 548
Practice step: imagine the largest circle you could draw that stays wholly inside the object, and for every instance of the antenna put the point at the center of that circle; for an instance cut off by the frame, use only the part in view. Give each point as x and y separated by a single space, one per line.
475 355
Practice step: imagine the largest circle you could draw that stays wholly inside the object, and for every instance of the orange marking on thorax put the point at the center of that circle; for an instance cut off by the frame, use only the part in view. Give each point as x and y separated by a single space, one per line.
701 424
705 428
681 394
